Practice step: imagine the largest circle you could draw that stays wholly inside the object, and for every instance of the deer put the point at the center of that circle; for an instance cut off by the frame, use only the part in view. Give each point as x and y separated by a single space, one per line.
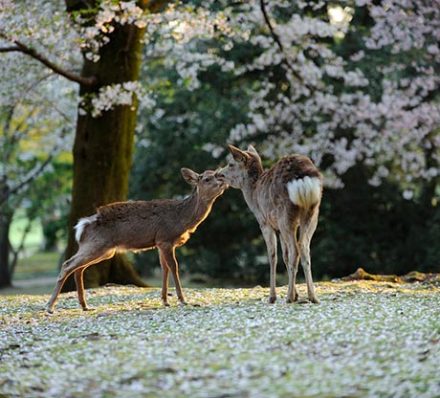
164 224
285 200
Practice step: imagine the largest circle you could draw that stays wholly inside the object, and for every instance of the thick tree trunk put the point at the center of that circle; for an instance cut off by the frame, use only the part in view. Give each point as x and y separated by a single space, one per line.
5 272
103 151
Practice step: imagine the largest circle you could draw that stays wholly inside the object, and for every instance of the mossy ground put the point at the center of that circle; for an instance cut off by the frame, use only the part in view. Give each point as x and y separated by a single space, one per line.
364 339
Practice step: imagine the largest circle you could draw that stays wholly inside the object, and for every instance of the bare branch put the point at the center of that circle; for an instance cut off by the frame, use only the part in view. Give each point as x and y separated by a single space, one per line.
20 47
31 176
277 40
15 252
9 49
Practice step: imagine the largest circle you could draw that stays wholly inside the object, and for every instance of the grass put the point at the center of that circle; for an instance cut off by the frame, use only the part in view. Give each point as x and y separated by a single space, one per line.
365 339
34 237
40 264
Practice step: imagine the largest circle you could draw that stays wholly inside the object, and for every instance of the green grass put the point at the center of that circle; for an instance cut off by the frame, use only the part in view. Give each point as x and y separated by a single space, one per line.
33 238
39 264
365 339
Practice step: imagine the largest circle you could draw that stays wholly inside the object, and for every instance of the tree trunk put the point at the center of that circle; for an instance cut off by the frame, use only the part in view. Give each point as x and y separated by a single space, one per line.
102 152
5 224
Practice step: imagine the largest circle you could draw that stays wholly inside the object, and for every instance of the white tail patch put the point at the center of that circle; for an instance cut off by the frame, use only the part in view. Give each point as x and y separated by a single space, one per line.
305 192
82 223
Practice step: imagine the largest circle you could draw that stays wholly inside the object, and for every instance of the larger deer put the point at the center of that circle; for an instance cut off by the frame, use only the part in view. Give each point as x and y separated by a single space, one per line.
141 225
283 199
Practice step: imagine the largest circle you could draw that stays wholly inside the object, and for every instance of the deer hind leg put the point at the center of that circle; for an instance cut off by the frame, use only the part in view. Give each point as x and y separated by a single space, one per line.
165 272
82 259
308 224
169 256
79 282
270 238
290 251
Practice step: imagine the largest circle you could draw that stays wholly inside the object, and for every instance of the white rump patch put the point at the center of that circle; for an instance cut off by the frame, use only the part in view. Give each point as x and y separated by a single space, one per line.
305 192
82 223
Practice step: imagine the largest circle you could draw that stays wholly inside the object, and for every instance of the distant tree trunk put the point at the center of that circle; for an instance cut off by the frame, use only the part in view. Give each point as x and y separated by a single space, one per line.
5 272
102 152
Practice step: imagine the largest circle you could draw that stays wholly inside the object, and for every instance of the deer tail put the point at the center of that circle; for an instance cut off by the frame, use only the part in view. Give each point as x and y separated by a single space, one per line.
305 192
82 224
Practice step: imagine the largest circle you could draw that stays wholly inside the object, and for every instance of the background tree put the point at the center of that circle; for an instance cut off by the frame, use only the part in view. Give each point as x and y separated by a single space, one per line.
31 146
109 34
339 82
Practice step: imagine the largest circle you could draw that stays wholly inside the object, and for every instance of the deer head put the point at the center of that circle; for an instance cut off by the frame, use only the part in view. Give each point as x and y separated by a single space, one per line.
209 185
245 167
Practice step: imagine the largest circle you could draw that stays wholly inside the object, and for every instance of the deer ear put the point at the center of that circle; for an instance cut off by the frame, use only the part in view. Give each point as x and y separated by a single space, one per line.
254 152
191 177
238 154
252 149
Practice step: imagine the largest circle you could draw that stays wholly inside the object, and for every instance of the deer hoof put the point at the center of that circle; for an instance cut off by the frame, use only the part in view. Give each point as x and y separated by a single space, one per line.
166 304
314 300
290 300
183 303
49 310
87 308
272 299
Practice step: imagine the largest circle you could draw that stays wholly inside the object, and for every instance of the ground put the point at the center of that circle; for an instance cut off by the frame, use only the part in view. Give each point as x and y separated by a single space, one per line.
365 339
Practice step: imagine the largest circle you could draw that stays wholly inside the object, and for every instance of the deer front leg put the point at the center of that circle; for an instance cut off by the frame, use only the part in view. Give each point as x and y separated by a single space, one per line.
270 238
79 282
169 255
165 271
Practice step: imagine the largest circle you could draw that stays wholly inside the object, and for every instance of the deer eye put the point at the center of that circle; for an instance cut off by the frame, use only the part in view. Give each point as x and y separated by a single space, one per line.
207 179
231 165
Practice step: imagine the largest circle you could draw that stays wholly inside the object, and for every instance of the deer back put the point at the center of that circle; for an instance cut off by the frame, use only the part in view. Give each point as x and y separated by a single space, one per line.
272 191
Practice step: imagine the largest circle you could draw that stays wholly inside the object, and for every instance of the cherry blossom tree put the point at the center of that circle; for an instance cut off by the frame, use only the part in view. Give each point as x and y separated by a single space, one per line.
316 81
375 104
327 79
96 44
33 132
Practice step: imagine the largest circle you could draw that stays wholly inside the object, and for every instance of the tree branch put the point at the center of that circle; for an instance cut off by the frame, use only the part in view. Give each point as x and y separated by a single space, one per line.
20 47
31 177
277 40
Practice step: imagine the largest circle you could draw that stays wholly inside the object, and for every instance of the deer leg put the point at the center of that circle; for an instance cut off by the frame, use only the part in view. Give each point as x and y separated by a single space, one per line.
66 269
307 228
291 260
271 242
165 271
82 259
169 255
79 282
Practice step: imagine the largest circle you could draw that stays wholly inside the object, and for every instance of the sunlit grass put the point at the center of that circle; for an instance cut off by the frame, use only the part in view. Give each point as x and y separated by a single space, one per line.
364 339
37 265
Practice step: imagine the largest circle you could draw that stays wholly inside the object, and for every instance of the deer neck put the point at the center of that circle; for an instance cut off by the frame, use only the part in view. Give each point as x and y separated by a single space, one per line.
194 210
249 190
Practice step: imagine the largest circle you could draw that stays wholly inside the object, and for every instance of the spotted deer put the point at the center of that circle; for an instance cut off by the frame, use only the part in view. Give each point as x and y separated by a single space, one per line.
141 225
284 198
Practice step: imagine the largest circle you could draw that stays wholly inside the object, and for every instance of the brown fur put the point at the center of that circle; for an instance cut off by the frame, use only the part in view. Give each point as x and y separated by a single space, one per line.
267 195
141 225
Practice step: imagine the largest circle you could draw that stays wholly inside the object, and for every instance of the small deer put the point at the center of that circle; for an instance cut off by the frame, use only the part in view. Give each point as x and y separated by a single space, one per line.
283 198
141 225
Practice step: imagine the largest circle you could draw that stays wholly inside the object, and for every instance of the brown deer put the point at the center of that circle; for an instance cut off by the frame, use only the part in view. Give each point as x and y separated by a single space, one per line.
141 225
283 198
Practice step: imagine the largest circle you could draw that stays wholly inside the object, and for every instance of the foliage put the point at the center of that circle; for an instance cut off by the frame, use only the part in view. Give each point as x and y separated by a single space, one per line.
311 87
335 91
32 135
234 343
353 84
